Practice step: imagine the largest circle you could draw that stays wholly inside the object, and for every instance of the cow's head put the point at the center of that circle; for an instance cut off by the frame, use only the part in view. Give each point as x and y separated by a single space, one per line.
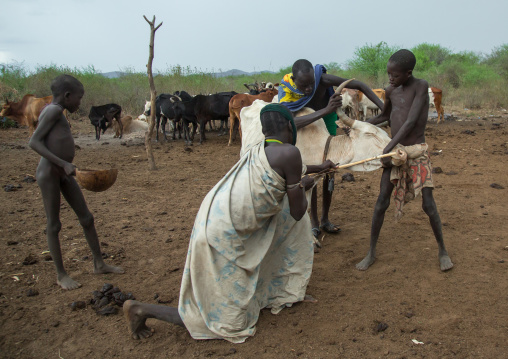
6 108
273 91
269 94
175 98
146 112
368 140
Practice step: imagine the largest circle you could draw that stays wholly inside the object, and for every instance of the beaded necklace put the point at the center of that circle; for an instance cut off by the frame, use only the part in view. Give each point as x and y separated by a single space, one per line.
271 140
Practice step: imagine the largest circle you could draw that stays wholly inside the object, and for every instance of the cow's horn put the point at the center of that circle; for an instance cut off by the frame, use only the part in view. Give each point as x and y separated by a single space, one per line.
342 116
172 98
342 85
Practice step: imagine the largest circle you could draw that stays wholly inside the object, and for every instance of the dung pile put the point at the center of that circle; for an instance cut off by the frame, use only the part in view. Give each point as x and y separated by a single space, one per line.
107 300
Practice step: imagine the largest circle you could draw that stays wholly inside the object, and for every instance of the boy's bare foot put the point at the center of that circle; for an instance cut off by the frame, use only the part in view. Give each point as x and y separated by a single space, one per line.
445 262
67 282
105 268
309 299
366 262
135 320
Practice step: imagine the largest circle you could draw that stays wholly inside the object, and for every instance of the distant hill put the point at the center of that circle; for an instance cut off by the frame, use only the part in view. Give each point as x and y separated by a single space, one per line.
113 74
234 72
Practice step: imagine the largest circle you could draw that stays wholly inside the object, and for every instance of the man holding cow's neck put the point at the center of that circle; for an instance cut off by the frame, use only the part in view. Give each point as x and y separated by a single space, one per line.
309 86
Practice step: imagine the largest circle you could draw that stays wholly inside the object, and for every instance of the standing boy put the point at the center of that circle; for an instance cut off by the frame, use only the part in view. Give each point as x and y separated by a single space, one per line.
309 86
54 142
406 108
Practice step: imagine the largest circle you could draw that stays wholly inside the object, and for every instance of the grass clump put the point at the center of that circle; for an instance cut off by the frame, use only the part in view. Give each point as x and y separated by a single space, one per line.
469 79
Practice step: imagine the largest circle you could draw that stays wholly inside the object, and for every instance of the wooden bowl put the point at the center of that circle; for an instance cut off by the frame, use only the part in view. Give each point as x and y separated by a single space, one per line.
96 180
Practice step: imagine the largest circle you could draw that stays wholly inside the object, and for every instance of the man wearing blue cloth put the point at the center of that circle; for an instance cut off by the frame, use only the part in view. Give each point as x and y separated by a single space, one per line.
309 86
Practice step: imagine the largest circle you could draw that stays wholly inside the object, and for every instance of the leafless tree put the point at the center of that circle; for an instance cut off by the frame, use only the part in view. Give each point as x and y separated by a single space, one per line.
153 92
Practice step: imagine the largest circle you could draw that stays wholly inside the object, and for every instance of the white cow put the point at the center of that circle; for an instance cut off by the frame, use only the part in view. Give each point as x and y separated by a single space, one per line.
142 117
350 103
130 126
431 98
364 141
364 104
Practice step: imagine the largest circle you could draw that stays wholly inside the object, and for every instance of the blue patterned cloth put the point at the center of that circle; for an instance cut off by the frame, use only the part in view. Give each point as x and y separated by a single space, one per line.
246 253
294 99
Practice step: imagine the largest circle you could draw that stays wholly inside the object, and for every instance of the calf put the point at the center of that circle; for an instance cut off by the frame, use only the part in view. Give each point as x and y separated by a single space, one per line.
435 97
240 101
102 118
129 126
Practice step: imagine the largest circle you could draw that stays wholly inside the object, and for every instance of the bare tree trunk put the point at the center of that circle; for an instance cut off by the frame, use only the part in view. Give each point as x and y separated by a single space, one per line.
149 133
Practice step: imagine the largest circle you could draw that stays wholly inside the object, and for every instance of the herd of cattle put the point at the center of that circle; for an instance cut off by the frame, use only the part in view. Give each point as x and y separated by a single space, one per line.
182 110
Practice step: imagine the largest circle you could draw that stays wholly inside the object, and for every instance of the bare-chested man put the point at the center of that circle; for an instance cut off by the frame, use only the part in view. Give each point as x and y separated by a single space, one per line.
406 108
54 142
310 86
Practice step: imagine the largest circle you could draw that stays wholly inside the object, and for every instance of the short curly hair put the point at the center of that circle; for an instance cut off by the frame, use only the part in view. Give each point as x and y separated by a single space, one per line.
404 58
65 83
302 65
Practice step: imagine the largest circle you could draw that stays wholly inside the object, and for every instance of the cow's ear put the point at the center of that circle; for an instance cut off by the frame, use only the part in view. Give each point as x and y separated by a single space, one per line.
277 84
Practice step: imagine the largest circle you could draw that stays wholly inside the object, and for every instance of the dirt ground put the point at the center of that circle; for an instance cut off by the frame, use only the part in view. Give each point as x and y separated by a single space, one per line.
144 222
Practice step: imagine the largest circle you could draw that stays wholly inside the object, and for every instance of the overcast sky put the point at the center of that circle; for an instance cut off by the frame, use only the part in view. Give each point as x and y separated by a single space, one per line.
247 35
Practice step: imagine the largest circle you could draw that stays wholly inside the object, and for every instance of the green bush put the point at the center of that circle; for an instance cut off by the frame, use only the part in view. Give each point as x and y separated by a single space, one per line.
498 59
431 53
370 60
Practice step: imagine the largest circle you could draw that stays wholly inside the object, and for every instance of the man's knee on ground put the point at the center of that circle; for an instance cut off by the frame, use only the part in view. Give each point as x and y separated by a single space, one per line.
87 220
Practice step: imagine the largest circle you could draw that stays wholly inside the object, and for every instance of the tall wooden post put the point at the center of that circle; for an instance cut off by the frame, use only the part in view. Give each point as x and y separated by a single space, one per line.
149 133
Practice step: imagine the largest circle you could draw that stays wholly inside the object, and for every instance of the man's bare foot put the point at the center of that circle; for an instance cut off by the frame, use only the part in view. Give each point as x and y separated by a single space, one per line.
105 268
135 320
309 299
67 282
445 262
366 262
329 227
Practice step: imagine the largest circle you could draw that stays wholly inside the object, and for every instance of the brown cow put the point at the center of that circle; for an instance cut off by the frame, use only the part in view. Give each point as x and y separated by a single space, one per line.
26 112
240 101
435 96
